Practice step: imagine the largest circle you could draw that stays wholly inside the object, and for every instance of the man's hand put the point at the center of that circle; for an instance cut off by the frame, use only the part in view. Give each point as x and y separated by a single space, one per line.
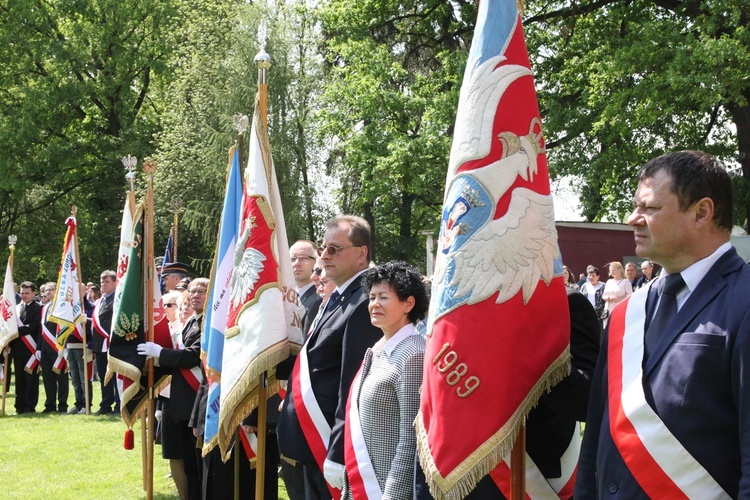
149 349
38 355
334 474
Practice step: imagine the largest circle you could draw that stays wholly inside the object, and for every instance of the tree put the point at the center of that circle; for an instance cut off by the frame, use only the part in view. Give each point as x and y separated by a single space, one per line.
389 108
622 81
79 87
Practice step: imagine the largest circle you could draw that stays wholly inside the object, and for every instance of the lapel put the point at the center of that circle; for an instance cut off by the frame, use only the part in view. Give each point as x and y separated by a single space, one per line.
707 290
307 296
343 298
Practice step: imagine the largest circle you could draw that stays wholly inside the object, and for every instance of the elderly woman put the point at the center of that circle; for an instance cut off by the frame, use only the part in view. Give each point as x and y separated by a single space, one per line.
380 442
616 288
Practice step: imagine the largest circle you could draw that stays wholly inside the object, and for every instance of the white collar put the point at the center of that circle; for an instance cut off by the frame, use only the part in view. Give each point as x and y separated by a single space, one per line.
301 290
698 270
391 343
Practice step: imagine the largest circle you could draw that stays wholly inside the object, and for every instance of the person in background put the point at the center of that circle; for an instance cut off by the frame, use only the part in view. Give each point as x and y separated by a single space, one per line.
593 290
102 323
647 269
616 289
30 317
631 272
569 279
384 398
54 372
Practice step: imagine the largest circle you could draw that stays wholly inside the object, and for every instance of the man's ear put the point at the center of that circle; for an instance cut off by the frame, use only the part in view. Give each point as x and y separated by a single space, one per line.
704 211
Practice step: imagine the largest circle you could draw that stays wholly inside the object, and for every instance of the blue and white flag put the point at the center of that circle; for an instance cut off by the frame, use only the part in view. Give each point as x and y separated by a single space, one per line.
215 317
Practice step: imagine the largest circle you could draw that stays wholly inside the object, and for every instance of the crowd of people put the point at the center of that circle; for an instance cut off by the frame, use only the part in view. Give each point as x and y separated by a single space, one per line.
657 366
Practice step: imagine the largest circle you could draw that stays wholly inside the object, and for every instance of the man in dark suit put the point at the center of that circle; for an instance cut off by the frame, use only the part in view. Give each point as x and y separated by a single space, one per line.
553 424
25 347
54 378
668 415
303 254
187 375
102 325
332 354
647 269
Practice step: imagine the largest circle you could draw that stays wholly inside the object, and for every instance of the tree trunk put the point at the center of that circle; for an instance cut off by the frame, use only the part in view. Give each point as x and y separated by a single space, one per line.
741 118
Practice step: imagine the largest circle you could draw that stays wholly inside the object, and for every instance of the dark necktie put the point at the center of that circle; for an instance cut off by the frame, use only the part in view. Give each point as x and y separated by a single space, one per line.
666 312
332 300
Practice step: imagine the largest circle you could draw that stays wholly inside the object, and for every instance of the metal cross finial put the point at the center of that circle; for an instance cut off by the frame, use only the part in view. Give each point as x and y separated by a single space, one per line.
176 205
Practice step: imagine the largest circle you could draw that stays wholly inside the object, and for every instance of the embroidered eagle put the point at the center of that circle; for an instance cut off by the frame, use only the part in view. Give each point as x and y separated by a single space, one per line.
248 264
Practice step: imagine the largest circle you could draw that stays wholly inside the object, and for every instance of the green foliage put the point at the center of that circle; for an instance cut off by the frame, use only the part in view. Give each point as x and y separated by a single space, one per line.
388 109
626 81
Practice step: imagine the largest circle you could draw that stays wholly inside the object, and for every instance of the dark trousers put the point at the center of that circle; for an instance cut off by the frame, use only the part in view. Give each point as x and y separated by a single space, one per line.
110 398
27 384
191 459
316 487
56 385
294 480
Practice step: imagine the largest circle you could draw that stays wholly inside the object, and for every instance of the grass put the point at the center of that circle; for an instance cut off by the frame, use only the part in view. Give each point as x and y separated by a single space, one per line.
51 455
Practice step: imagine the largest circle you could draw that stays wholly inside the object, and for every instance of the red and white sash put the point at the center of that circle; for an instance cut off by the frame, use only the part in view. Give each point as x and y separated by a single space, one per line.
193 376
49 337
249 441
98 326
32 364
538 486
359 469
657 460
311 419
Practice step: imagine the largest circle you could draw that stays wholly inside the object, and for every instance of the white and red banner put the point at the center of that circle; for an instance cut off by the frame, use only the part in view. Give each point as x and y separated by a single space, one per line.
264 316
9 320
498 331
67 308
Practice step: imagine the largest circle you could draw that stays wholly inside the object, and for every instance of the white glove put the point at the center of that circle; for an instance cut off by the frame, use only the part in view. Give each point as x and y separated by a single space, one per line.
334 474
157 415
65 353
149 349
39 355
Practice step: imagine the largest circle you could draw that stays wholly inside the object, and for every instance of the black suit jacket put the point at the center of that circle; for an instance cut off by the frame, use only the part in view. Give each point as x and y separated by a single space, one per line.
335 350
31 319
182 397
105 321
311 302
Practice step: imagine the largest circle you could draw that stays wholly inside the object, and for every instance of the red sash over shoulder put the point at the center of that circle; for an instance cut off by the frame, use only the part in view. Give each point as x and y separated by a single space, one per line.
311 419
658 461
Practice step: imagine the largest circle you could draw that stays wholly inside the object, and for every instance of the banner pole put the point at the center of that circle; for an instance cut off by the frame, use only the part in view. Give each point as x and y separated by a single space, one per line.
86 394
518 466
150 167
12 245
263 61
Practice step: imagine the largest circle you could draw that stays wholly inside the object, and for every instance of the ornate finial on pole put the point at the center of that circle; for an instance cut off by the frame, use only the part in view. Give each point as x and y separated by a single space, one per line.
241 122
12 239
262 59
73 211
129 162
149 166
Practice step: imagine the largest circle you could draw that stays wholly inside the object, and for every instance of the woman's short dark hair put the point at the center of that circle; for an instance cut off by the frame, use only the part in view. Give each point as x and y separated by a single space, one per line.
405 281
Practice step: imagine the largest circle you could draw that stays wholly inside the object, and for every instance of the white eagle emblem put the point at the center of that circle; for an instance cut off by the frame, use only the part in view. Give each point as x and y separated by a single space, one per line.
481 255
248 264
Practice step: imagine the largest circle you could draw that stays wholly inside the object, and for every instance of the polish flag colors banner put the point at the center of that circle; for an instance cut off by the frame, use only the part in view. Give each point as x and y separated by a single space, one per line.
8 315
498 329
264 313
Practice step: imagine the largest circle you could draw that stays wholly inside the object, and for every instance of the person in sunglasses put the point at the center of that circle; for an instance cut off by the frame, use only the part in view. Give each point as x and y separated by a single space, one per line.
327 363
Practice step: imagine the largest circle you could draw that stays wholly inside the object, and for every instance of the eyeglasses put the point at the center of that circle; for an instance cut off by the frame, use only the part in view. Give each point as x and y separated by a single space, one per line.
333 249
199 291
318 271
302 258
170 305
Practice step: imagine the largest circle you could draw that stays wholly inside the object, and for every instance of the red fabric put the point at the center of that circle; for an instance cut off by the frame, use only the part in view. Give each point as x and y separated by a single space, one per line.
646 471
316 444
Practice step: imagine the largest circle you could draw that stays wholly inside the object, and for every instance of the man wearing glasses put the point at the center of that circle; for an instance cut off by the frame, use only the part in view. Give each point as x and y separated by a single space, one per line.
303 254
319 385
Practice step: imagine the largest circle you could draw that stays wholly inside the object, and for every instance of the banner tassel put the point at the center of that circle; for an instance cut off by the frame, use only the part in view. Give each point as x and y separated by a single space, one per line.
129 440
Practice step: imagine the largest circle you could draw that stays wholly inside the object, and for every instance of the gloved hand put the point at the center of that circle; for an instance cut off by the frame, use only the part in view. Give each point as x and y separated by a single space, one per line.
149 349
65 353
38 355
334 473
157 415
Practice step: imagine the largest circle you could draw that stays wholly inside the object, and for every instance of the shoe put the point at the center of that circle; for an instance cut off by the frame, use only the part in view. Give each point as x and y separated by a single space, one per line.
47 410
74 411
82 411
103 411
116 411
